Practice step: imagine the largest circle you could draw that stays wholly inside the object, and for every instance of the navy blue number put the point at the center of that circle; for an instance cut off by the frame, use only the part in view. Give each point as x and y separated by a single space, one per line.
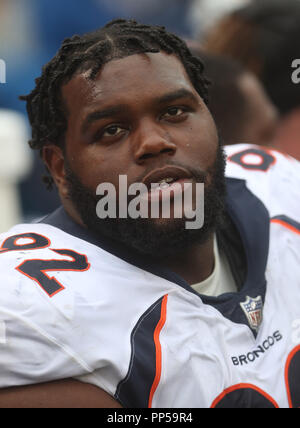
36 269
266 159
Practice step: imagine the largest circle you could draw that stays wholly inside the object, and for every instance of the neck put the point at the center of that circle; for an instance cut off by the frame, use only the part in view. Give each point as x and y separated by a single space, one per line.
195 264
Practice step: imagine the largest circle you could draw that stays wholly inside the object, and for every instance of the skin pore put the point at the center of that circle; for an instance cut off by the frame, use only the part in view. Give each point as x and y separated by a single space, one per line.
117 125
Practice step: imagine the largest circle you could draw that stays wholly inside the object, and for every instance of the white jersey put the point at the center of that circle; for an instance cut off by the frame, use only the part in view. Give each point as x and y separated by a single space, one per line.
72 306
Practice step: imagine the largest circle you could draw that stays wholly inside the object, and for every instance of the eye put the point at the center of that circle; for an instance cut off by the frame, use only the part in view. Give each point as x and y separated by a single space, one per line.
174 114
112 131
174 111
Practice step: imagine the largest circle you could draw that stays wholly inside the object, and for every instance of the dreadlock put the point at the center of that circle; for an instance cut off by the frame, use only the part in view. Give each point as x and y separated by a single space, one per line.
118 39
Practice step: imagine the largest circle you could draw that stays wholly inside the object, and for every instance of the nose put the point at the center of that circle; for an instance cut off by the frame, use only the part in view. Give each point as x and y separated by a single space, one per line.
152 141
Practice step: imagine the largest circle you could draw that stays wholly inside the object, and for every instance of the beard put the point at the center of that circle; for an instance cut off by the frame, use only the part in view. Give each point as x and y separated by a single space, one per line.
149 237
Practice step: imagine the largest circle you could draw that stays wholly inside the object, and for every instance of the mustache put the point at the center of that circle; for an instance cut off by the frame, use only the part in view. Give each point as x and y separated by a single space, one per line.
197 174
216 170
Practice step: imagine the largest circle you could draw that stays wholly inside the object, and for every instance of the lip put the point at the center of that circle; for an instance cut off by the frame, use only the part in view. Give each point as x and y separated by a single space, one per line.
158 174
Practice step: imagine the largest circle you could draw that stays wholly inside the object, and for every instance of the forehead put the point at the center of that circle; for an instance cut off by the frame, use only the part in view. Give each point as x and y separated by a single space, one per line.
130 79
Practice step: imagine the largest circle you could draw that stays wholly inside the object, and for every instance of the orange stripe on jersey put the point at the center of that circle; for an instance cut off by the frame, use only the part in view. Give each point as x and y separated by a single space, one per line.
286 225
242 386
156 335
286 374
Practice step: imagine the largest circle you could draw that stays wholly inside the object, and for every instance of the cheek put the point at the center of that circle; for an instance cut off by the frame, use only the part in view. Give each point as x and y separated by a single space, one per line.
89 167
94 166
202 140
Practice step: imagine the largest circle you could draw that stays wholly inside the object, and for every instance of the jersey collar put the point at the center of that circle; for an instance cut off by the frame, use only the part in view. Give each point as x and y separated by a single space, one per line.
252 222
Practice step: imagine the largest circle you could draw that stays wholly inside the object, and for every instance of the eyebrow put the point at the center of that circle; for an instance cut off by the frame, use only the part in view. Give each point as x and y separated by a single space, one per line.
115 110
175 95
101 114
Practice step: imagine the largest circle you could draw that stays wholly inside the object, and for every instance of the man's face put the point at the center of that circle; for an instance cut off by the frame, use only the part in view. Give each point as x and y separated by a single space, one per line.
140 115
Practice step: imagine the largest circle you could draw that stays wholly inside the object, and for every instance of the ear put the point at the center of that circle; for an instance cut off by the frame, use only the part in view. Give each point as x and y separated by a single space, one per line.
55 161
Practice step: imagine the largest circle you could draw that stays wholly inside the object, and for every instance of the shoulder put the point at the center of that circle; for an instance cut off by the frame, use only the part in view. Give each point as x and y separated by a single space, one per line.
272 176
55 288
262 162
35 345
251 162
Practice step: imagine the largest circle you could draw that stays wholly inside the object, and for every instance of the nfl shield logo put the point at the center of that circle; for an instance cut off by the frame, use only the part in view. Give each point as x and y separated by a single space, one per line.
253 311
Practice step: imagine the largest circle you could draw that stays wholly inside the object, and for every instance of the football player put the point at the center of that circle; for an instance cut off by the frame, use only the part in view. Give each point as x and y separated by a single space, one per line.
145 312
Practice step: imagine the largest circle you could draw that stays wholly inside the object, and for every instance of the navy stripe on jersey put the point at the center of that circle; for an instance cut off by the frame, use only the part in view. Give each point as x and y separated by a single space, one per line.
134 390
252 220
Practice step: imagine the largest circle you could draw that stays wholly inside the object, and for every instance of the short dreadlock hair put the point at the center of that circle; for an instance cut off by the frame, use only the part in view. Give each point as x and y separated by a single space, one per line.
118 39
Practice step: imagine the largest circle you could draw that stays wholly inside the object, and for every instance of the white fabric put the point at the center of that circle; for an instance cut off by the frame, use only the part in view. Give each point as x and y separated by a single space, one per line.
221 280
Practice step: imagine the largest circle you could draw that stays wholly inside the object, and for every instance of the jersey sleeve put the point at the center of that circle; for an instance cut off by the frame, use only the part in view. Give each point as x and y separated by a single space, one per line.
38 339
64 311
29 353
271 175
